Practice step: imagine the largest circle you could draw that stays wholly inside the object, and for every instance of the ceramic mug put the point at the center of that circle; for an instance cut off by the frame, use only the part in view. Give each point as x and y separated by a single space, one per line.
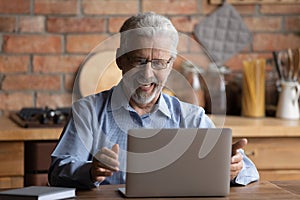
288 106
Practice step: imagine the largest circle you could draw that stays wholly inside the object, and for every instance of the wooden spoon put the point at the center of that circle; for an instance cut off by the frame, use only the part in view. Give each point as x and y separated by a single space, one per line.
296 58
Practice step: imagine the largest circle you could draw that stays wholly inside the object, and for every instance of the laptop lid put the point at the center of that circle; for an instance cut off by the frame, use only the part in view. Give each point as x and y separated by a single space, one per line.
178 162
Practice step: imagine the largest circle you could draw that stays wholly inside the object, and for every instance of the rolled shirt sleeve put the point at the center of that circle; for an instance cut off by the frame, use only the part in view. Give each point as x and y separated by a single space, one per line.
71 161
248 173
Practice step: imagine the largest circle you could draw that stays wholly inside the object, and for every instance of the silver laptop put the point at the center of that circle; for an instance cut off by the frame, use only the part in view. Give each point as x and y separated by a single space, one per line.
178 162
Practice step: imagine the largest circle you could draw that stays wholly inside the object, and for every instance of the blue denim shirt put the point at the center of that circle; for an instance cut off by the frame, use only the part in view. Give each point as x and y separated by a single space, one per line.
103 119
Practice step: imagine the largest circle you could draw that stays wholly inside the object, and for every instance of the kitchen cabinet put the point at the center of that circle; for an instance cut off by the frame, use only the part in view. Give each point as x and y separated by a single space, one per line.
275 158
273 145
12 164
38 159
13 140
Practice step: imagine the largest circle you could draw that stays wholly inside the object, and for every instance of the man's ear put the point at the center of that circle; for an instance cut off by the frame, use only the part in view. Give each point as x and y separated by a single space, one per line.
119 59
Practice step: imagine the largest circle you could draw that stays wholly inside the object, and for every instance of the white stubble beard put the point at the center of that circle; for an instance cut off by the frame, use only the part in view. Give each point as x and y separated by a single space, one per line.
142 98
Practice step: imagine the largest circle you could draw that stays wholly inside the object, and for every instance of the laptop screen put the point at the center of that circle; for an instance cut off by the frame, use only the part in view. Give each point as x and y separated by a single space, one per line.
178 162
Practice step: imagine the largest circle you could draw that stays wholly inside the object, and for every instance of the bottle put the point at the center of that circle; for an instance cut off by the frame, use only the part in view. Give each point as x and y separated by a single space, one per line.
193 74
215 95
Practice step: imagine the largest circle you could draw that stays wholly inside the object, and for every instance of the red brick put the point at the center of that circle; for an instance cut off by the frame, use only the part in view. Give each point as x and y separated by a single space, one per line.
185 23
54 100
115 23
292 23
271 42
15 6
31 82
171 6
73 25
83 43
8 24
69 82
107 7
32 44
56 63
208 8
263 23
245 9
65 7
236 62
12 64
15 101
32 24
280 9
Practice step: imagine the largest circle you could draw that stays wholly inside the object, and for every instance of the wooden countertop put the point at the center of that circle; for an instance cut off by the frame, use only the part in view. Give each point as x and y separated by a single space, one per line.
241 126
9 131
259 127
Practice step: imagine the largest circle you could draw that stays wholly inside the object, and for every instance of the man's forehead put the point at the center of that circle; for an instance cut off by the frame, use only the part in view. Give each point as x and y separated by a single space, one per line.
160 43
141 52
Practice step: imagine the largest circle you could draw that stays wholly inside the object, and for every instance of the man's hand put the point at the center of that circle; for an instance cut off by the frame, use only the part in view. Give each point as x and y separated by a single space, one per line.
237 158
105 163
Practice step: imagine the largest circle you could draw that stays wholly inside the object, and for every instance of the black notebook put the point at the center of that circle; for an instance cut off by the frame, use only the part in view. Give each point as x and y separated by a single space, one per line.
38 193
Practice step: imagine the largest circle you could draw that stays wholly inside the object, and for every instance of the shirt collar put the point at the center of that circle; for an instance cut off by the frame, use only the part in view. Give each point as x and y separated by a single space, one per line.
162 106
119 100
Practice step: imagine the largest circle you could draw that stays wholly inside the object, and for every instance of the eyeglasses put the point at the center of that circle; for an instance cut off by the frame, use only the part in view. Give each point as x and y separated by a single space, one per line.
156 64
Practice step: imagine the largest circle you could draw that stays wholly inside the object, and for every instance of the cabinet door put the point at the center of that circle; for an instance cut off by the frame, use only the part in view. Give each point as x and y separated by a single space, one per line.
38 155
274 153
37 161
275 158
12 158
12 164
11 182
282 175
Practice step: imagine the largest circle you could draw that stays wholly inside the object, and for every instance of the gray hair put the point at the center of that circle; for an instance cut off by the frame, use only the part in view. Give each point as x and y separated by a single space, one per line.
147 24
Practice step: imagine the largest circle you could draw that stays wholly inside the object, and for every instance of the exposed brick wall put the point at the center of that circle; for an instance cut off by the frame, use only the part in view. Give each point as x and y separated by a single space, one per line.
44 41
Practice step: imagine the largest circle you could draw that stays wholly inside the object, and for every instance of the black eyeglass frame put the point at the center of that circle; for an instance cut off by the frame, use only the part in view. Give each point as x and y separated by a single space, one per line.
144 61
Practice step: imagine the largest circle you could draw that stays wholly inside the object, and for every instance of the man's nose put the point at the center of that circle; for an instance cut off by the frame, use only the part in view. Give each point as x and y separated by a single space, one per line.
148 70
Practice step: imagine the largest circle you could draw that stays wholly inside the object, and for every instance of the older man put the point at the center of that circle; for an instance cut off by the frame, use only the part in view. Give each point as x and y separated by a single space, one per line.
88 153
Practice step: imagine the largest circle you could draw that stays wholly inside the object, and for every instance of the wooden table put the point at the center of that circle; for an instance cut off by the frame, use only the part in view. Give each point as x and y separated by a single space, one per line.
282 190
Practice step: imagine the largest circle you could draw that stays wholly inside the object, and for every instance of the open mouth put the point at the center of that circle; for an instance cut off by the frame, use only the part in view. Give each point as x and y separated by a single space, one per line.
147 87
